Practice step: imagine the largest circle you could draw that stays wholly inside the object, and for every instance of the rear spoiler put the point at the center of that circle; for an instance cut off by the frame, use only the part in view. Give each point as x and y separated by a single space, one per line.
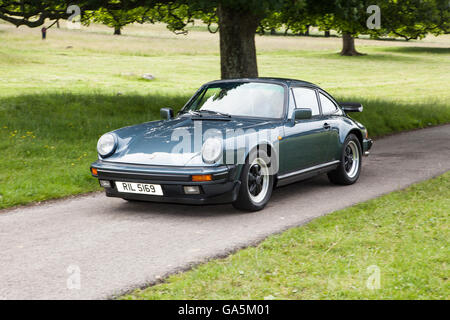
351 106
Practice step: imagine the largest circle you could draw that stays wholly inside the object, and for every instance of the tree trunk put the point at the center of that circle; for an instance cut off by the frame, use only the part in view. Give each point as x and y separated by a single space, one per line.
307 31
348 45
117 31
237 43
327 33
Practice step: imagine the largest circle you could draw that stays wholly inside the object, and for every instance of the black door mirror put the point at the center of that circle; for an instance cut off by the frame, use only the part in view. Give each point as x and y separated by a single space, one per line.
166 113
351 106
302 114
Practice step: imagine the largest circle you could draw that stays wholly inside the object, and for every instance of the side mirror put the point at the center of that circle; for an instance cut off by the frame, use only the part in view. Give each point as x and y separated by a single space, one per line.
351 106
166 113
302 114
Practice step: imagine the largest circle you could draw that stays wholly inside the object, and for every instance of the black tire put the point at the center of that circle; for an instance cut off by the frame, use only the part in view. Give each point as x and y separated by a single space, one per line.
348 173
245 200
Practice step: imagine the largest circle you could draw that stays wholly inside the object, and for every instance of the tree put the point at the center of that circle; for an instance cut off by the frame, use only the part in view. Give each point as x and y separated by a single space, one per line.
31 13
414 19
325 23
410 19
348 17
292 15
116 19
237 20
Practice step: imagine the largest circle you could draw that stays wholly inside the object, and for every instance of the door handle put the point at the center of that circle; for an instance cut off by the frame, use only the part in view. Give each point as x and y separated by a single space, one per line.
326 126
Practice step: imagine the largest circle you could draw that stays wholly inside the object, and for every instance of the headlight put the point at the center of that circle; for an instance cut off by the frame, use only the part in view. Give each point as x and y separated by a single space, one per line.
106 144
212 150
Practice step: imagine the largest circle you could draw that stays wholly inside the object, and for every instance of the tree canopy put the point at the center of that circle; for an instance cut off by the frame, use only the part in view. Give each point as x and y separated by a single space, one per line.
116 19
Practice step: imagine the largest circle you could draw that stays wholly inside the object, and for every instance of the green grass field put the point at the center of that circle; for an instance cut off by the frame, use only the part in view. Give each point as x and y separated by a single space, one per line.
403 237
58 96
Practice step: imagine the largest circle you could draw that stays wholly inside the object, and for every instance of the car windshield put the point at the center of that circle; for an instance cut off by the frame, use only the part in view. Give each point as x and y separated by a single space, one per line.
253 99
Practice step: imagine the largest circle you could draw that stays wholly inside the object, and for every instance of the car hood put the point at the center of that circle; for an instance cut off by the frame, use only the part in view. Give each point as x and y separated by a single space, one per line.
176 142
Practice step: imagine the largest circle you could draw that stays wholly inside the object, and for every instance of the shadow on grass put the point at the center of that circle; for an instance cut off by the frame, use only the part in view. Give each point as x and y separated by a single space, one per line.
433 50
71 116
382 117
371 56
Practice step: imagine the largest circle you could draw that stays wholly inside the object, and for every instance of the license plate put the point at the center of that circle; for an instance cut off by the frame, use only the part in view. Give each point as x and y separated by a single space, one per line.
142 188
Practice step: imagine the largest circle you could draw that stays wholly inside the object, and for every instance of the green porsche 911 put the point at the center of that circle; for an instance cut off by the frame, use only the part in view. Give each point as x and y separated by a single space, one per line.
233 142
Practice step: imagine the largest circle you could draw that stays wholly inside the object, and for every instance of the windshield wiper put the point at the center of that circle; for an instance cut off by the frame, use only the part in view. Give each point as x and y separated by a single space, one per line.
192 112
214 112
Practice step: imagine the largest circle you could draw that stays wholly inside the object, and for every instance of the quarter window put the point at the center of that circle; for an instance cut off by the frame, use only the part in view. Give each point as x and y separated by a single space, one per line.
328 107
306 98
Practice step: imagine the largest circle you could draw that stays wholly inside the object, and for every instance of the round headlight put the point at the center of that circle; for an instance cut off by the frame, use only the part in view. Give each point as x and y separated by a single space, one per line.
106 144
212 150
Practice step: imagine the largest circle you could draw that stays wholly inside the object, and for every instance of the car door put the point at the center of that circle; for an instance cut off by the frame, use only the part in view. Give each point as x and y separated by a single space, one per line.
304 141
331 115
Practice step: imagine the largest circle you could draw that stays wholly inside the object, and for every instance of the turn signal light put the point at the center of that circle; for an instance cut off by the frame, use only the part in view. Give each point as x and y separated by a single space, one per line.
94 171
202 177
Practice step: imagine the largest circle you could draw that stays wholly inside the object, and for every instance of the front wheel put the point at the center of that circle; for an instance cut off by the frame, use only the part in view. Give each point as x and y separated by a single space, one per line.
350 167
256 183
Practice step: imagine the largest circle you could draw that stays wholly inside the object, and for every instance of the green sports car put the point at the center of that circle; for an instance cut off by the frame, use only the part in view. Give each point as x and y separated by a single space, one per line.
233 142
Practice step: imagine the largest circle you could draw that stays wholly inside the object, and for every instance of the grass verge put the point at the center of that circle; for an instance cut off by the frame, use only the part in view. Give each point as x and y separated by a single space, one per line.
48 141
402 236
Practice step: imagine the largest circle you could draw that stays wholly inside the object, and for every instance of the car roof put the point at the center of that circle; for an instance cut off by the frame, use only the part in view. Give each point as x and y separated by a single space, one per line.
285 81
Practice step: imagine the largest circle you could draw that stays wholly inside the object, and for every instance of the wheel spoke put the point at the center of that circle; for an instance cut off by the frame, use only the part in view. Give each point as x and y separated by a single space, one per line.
259 180
258 189
252 189
347 166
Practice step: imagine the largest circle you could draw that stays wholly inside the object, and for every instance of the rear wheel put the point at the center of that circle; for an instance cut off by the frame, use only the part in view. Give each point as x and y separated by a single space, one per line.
350 167
256 183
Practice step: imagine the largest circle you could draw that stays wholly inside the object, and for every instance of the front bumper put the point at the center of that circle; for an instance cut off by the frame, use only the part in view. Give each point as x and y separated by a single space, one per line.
223 188
367 144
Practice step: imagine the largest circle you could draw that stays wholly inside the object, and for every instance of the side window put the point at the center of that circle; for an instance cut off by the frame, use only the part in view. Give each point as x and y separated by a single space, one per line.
328 107
306 98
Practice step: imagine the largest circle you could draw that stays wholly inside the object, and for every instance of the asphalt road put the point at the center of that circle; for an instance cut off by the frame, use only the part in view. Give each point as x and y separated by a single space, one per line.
96 247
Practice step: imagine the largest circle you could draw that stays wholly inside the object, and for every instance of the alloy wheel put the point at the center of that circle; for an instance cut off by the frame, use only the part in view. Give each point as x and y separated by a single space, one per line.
258 180
351 159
